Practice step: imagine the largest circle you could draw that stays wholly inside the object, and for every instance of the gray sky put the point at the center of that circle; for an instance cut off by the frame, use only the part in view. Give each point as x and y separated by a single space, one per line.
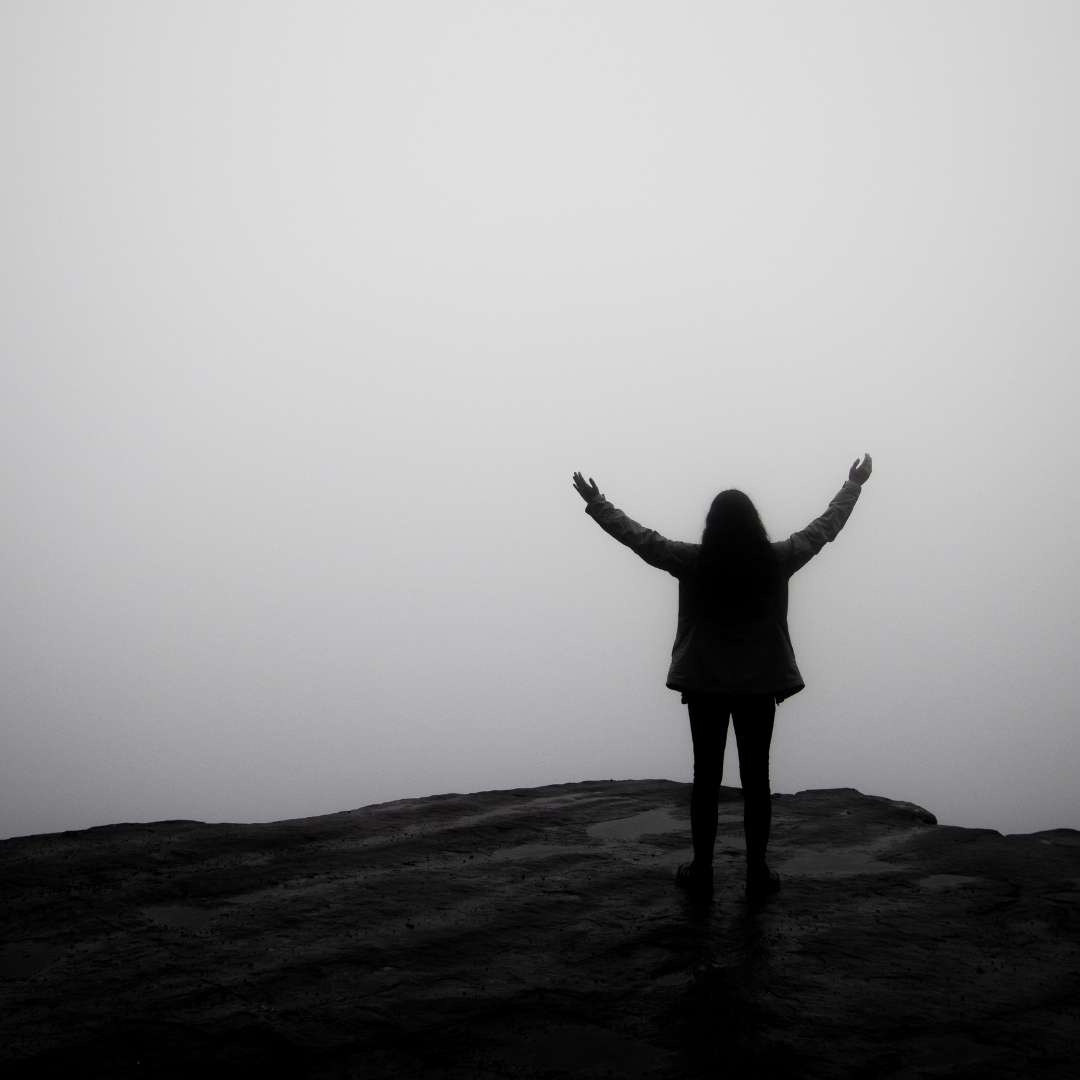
309 311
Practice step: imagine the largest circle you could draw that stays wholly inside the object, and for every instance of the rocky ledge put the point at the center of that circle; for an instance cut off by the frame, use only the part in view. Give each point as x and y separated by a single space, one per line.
537 933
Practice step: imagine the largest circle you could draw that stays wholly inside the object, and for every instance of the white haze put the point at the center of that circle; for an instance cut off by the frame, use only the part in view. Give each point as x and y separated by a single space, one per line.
309 311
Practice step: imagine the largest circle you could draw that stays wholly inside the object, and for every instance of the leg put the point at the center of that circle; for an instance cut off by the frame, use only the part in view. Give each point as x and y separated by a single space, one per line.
753 716
708 726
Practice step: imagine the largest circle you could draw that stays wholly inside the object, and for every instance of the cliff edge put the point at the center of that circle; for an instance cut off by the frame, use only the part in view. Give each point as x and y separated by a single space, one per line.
537 933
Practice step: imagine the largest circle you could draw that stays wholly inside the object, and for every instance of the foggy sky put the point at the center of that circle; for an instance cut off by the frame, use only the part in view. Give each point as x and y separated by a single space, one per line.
309 311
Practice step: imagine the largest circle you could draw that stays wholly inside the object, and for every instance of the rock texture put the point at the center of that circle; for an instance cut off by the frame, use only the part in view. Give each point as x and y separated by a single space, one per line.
537 933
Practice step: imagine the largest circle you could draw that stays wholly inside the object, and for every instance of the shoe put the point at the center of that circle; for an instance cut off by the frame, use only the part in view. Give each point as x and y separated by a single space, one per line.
695 878
761 882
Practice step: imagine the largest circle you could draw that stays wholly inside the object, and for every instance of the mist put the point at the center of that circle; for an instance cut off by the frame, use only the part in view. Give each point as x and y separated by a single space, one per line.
308 312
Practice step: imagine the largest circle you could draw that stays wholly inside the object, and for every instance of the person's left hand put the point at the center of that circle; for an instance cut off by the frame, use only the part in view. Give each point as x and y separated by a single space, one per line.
589 492
860 473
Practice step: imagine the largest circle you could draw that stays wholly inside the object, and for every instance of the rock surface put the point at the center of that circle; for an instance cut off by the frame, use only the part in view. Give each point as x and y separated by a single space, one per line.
537 933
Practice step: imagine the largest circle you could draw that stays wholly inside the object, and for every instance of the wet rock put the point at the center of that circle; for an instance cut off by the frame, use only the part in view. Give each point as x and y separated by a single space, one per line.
537 933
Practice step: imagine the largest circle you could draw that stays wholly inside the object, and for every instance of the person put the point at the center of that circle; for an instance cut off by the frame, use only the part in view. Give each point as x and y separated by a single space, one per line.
732 655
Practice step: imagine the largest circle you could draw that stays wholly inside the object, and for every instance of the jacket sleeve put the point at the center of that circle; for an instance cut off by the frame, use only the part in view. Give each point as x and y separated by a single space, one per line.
802 546
670 555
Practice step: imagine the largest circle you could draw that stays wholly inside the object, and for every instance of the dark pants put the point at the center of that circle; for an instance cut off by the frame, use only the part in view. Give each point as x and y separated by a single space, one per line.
753 716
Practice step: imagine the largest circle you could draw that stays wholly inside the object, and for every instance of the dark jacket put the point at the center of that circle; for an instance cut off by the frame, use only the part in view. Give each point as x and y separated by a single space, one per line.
709 655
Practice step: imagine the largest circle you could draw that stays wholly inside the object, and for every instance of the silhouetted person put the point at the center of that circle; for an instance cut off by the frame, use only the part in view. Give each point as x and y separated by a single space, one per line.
732 655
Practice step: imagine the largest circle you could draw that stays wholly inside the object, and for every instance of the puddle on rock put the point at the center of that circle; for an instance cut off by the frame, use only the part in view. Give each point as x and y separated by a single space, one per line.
180 918
945 881
535 851
660 820
949 1051
24 959
554 802
834 863
578 1049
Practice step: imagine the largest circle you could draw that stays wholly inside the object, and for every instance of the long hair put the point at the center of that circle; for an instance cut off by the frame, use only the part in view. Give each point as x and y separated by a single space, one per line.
736 574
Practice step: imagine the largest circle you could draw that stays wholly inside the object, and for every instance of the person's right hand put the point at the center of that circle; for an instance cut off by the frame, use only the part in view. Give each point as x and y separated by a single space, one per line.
861 473
589 492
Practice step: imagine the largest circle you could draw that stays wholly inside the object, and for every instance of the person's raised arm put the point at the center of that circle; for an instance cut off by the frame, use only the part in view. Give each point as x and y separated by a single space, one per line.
804 545
656 550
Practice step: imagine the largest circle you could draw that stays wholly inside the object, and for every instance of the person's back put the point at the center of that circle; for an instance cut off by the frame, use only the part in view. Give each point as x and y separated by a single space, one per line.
732 655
